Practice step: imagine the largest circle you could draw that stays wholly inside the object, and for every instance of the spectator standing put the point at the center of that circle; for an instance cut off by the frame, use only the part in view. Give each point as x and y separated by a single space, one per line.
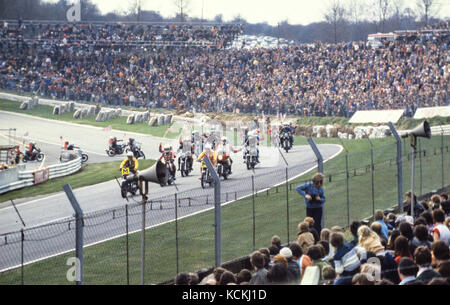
259 276
314 199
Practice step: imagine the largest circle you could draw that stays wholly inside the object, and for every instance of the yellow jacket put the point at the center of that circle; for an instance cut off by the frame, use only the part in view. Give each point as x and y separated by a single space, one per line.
212 158
133 165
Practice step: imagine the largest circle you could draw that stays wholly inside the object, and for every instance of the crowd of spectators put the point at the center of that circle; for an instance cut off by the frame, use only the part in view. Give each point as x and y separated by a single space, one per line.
103 64
392 250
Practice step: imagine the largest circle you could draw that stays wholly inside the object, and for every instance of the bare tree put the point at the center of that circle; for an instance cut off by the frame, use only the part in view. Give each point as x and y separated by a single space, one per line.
335 17
427 9
182 8
134 9
356 10
383 11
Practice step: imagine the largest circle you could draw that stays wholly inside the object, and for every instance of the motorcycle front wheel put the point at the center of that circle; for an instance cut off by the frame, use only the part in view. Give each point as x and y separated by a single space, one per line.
84 158
40 157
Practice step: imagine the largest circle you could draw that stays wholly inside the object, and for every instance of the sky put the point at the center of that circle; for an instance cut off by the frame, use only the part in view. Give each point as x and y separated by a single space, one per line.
253 11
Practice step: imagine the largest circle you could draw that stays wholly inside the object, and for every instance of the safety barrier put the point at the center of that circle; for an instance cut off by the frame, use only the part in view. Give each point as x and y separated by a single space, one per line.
28 178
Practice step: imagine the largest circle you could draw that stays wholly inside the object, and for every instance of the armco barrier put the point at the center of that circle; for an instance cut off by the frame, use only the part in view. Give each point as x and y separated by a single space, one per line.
26 178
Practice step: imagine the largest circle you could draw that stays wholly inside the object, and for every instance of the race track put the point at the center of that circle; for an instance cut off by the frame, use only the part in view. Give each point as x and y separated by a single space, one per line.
106 195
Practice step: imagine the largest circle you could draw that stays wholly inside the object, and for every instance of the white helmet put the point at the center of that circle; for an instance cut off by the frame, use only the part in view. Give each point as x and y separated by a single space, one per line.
130 154
111 138
224 139
166 147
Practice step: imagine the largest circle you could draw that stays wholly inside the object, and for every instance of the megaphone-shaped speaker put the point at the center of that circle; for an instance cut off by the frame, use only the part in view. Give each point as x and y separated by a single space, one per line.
158 173
422 131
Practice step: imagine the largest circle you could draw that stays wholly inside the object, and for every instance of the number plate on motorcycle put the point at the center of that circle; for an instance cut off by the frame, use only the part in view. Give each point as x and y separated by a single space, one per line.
125 171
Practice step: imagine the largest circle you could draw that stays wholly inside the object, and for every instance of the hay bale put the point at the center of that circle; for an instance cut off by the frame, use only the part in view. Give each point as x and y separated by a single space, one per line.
161 120
84 113
168 119
91 110
35 100
25 106
77 114
71 106
146 116
138 118
100 117
130 119
56 110
98 108
153 121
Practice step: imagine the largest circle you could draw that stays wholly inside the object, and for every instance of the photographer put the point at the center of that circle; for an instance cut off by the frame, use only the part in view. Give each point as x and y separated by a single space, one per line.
314 199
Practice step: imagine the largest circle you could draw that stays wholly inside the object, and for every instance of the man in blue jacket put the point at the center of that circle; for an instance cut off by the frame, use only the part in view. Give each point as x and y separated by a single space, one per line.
314 199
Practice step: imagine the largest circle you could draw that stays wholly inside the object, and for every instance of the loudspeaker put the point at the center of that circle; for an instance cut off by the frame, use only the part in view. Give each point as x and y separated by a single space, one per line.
422 131
158 173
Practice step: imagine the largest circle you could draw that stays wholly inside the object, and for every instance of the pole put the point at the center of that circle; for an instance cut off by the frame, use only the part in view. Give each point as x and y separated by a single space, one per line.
143 243
347 189
372 177
176 232
217 213
287 205
399 167
442 157
22 239
128 254
318 155
253 214
78 231
413 156
420 167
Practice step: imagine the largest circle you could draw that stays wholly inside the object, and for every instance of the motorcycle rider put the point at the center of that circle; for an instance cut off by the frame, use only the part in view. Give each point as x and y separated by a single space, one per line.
289 129
169 157
210 153
113 143
247 135
226 149
131 162
186 145
133 145
31 151
68 146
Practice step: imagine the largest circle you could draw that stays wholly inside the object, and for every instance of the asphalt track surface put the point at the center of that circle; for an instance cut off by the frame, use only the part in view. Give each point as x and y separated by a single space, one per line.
44 241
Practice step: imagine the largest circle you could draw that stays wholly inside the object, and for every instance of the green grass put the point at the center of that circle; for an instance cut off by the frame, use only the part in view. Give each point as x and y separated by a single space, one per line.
46 112
106 263
88 175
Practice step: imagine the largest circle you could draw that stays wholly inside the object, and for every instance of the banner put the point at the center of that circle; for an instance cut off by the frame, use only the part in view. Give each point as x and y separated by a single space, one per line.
41 176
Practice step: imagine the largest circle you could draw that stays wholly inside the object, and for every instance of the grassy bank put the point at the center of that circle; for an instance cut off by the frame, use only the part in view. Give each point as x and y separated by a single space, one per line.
46 112
106 263
88 175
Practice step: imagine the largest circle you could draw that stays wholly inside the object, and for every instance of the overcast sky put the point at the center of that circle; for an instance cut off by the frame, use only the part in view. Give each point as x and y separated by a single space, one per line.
271 11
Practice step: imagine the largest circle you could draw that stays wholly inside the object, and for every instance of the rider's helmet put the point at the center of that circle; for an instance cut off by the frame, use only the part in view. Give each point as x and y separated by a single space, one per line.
130 154
224 140
166 148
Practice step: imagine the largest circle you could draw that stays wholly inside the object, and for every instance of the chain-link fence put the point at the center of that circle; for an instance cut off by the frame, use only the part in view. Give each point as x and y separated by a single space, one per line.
179 228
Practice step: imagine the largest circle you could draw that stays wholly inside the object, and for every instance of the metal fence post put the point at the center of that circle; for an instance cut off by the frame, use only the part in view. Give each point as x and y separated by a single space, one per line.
78 231
176 231
372 177
347 178
217 213
442 157
399 167
420 168
318 155
128 253
253 214
143 242
287 205
22 239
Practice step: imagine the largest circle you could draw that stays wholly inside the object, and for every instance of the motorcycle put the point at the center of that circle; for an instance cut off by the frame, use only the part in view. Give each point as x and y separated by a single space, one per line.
223 166
129 183
286 142
38 156
251 153
137 151
171 177
116 151
185 164
84 157
206 176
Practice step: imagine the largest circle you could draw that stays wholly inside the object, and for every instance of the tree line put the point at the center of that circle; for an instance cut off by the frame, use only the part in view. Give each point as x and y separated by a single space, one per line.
343 20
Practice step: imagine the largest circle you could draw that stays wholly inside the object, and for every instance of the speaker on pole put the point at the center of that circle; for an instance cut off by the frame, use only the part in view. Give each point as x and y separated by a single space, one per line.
158 173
